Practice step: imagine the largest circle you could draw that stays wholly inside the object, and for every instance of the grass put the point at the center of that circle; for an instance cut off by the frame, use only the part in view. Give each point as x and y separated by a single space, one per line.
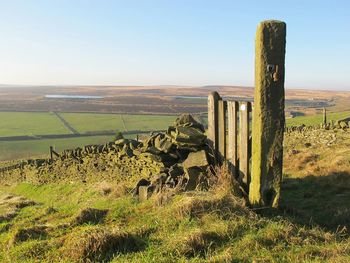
102 222
41 123
148 122
212 226
35 148
30 123
85 122
317 119
88 122
316 188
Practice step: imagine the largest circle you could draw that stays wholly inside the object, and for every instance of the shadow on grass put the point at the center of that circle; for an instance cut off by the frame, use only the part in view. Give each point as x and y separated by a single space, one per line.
317 200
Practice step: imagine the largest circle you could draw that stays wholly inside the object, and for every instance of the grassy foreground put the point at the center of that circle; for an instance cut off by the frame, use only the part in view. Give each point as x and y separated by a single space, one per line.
103 222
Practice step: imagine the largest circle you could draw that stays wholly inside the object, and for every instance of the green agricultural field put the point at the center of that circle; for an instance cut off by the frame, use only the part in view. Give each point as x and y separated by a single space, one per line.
30 123
33 148
317 119
89 122
148 122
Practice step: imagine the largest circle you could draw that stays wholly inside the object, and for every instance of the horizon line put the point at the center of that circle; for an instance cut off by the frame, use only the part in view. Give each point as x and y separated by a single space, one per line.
165 85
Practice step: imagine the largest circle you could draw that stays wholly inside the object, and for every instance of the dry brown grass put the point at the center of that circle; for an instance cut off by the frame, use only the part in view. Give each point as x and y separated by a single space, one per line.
115 190
98 244
225 198
24 234
90 216
10 205
199 242
104 188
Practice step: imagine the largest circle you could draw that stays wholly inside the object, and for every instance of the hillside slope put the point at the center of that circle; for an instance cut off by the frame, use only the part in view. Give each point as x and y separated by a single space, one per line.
103 221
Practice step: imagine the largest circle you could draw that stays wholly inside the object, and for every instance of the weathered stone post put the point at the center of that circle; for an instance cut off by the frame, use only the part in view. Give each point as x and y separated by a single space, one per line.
324 117
268 114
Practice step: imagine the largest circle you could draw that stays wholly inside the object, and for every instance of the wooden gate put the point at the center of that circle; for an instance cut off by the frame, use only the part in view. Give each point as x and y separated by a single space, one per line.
229 131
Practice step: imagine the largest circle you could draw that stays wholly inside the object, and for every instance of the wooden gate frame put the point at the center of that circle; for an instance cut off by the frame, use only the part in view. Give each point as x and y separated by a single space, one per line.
229 134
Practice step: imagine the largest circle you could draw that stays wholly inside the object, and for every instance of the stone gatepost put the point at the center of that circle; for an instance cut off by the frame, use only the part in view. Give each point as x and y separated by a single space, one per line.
268 114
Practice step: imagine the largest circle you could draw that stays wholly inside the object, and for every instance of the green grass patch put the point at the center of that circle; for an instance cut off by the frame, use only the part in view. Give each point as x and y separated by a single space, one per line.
145 232
317 119
34 148
89 122
148 122
30 123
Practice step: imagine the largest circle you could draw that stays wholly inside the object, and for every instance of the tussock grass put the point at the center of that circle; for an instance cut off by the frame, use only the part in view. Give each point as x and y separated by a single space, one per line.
24 234
96 244
174 226
197 226
90 216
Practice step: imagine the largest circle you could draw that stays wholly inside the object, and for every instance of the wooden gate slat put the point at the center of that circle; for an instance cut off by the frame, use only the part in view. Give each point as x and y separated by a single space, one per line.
222 129
232 156
244 144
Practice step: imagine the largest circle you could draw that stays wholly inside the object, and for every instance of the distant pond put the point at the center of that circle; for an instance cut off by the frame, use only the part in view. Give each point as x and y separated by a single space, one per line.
62 96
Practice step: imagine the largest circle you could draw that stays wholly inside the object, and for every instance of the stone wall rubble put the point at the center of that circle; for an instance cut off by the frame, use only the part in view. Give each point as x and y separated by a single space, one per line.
175 158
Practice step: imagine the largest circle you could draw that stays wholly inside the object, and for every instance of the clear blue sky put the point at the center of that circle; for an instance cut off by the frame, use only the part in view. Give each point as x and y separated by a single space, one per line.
184 42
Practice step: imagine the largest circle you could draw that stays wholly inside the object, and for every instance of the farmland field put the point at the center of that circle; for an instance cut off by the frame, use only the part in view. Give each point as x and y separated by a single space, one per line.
89 122
30 123
317 119
46 123
36 148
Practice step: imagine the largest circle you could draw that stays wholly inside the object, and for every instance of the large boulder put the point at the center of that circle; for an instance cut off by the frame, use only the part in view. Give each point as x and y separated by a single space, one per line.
187 138
186 120
195 167
196 159
187 133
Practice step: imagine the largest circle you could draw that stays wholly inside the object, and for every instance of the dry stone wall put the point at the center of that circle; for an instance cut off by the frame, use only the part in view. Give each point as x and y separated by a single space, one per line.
176 158
339 125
